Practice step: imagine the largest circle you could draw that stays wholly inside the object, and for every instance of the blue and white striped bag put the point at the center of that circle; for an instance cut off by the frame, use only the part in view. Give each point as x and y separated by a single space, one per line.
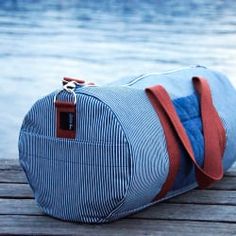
98 153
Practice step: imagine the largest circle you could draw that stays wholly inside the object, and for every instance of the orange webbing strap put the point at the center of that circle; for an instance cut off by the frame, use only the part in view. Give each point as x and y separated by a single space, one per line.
213 131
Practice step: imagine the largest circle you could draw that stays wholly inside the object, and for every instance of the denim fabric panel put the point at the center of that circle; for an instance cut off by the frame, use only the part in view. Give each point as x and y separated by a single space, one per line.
188 111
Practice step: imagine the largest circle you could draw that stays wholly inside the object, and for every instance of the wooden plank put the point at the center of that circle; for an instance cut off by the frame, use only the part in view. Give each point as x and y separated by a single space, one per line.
6 163
196 212
15 191
227 183
208 212
206 197
231 172
42 225
162 211
18 176
19 207
12 176
11 172
23 190
9 164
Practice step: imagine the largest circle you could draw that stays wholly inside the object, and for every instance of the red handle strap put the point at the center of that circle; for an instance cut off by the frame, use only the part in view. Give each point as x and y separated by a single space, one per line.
213 131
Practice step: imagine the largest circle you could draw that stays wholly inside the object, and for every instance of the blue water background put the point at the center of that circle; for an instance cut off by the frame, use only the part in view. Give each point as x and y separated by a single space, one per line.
102 41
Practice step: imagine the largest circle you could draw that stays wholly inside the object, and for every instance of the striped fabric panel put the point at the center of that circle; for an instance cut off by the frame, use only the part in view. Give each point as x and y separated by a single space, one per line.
145 134
79 180
95 121
118 162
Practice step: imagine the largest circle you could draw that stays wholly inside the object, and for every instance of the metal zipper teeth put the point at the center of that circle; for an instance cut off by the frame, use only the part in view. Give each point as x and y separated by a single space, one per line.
161 73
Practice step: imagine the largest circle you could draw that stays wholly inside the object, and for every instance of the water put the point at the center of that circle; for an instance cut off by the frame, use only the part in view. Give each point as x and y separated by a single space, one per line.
42 41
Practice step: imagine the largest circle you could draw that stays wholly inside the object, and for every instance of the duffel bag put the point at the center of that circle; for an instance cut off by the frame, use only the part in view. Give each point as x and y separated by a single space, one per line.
99 153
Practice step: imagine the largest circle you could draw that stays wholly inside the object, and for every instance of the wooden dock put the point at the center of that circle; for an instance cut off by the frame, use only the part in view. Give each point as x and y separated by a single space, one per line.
199 212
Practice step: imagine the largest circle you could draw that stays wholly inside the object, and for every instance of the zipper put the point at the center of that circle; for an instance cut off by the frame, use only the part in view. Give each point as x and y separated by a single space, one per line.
140 77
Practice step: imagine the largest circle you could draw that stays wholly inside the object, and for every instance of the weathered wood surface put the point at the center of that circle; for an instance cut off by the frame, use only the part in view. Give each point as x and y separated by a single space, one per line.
204 212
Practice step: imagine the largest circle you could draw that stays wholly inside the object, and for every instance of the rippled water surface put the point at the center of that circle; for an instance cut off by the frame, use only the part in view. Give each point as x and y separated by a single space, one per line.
42 41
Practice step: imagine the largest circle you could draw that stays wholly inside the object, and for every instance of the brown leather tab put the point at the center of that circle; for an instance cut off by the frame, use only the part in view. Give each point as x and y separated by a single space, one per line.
68 79
65 119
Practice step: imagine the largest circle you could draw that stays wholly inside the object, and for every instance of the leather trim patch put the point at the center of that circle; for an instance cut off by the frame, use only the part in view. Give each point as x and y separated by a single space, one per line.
65 119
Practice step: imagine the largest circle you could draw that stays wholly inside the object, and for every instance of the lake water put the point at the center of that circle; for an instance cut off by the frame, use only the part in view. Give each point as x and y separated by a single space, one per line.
42 41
